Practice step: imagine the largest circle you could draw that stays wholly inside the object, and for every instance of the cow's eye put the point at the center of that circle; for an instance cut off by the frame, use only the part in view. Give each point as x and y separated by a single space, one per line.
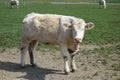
81 29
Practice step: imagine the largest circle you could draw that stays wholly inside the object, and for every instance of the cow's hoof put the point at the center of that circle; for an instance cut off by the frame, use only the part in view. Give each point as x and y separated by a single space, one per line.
34 65
22 67
66 73
73 71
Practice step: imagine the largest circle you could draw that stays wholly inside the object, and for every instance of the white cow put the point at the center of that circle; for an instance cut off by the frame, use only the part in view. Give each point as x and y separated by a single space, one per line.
102 3
65 31
14 2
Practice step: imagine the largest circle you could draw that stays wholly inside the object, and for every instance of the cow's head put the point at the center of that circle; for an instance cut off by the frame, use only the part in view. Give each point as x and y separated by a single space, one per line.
78 28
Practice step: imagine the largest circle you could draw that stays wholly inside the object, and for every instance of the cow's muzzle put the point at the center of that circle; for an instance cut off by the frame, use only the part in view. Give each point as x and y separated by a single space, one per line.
77 40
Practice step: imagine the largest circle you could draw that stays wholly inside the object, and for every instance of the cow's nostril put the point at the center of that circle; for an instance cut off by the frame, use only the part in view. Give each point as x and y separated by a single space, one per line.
78 40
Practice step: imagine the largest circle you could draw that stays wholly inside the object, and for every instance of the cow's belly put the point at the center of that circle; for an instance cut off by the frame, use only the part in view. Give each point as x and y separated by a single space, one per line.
47 38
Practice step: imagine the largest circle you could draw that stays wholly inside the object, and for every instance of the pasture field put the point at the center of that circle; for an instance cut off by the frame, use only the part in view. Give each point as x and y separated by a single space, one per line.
99 57
44 1
107 21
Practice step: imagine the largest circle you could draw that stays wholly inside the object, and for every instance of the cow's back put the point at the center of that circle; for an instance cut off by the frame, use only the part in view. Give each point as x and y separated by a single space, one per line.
44 28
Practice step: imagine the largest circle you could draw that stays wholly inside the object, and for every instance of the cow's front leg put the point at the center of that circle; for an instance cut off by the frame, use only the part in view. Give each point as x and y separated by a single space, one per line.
66 66
73 66
65 54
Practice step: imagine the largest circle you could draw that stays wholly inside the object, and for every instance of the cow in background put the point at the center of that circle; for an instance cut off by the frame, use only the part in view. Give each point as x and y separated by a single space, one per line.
14 3
102 4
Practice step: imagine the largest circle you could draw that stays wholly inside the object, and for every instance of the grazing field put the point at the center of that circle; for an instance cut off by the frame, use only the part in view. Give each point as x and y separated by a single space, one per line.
99 55
107 21
22 1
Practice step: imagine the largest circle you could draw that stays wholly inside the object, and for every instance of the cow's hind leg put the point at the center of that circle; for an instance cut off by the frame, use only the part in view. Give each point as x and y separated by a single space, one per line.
31 51
24 47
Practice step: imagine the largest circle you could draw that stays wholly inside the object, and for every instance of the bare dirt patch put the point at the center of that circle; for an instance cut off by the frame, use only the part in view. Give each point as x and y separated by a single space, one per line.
50 66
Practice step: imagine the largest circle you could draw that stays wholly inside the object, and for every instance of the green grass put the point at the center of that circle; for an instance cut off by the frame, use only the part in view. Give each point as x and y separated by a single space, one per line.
109 1
45 1
107 21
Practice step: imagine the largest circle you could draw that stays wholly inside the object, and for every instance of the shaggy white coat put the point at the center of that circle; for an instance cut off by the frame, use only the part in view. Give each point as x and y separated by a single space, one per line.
65 31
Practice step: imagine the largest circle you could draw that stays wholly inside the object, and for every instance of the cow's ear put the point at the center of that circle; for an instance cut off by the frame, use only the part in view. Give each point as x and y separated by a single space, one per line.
69 24
89 26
